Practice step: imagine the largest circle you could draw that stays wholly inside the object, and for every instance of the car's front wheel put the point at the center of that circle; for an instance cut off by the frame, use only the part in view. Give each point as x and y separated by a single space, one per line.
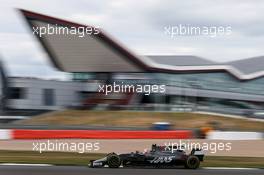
192 162
113 160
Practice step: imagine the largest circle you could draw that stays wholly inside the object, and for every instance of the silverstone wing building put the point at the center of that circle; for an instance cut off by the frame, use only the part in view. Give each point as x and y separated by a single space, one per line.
192 82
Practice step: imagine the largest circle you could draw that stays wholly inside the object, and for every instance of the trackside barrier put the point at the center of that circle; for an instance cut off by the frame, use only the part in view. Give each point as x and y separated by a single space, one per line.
94 134
231 135
5 134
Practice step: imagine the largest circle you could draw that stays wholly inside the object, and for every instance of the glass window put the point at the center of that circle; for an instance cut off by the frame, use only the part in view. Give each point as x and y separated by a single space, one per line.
17 93
48 97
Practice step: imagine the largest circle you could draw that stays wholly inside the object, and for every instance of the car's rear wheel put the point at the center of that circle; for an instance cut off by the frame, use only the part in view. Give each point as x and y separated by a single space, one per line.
91 164
113 160
192 162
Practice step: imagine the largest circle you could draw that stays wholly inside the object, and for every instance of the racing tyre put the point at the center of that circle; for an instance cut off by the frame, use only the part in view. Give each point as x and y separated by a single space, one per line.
192 162
113 160
91 164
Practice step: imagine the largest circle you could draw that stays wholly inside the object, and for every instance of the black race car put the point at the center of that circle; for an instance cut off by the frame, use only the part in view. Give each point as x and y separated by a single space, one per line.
158 156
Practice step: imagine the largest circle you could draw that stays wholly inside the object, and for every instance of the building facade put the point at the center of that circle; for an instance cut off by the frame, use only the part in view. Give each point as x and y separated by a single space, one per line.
38 94
191 82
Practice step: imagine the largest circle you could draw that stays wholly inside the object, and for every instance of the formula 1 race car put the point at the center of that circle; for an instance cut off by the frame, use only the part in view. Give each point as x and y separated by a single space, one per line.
157 157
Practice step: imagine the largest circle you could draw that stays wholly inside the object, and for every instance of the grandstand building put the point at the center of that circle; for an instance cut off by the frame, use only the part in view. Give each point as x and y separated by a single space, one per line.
192 83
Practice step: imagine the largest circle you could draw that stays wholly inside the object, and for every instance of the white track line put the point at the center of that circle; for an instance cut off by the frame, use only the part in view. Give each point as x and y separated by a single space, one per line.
228 168
23 164
209 168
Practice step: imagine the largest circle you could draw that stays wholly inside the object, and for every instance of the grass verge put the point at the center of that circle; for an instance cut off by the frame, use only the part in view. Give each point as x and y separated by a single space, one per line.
140 119
62 158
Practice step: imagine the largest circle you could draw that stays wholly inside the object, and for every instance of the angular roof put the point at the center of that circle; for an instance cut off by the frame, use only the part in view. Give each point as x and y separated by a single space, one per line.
102 53
249 65
90 53
180 60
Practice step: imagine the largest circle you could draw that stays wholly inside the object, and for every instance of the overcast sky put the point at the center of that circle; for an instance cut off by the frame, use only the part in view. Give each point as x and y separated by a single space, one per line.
139 25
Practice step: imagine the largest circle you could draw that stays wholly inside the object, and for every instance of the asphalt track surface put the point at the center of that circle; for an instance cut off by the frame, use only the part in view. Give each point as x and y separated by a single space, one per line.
73 170
242 148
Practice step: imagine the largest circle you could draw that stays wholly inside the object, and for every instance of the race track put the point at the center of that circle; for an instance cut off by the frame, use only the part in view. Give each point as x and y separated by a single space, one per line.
239 147
73 170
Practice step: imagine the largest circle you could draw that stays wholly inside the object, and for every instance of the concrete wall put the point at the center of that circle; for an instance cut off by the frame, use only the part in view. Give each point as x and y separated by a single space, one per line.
234 135
65 93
